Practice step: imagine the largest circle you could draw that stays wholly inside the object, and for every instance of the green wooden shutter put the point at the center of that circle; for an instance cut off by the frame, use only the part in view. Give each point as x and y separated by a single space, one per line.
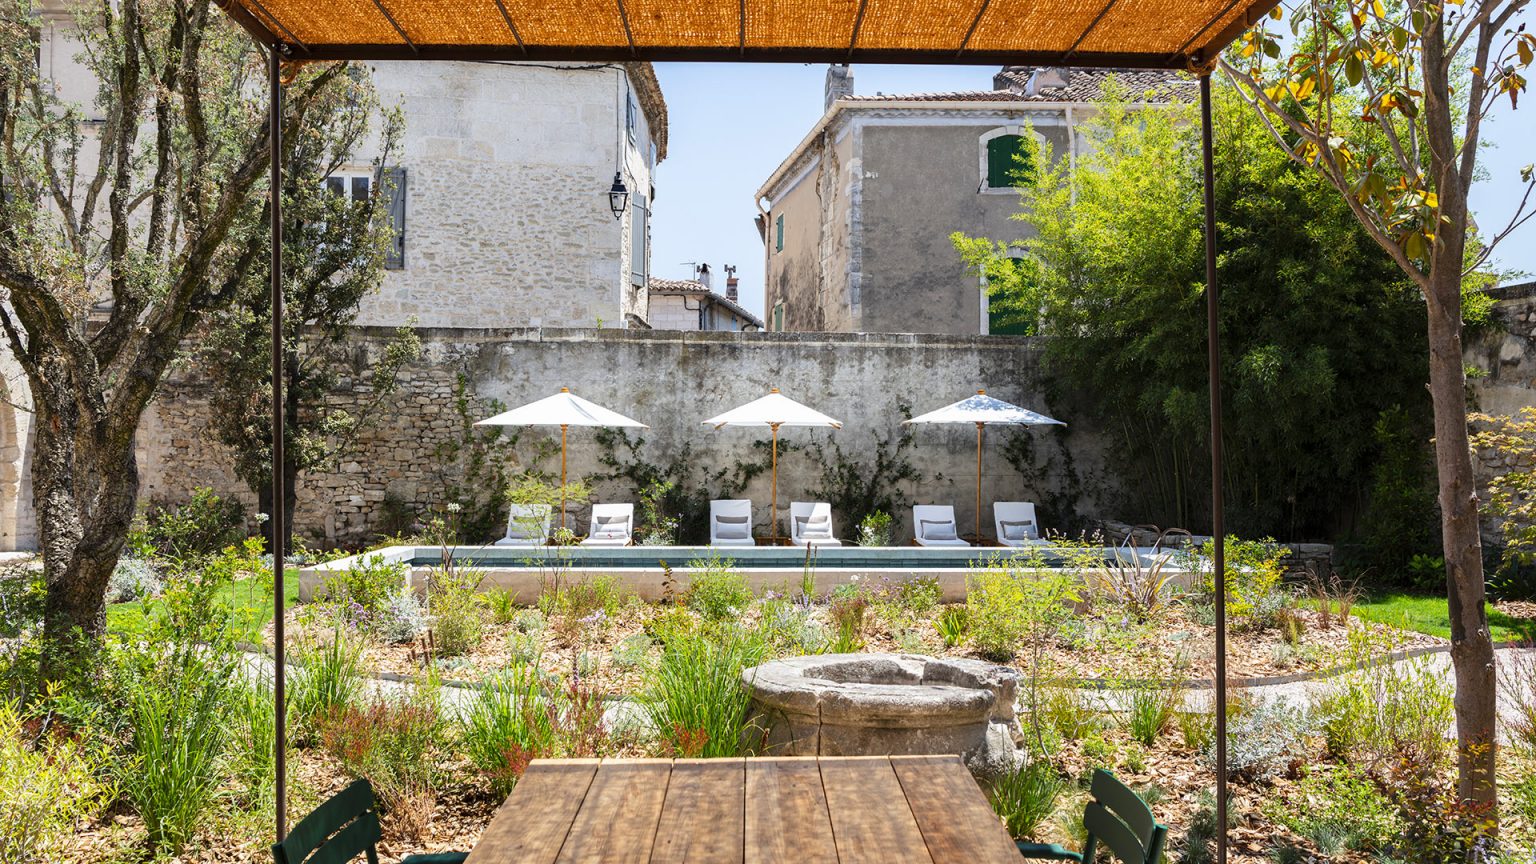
393 180
1003 167
778 233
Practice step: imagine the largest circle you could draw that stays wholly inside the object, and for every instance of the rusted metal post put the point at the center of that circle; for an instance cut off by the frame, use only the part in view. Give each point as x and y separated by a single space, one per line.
1218 528
279 518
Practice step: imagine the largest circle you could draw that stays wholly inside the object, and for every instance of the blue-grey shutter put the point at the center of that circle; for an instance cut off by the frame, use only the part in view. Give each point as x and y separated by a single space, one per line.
639 239
393 180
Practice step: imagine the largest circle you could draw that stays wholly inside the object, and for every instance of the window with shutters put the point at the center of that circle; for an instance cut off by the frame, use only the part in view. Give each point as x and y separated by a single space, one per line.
1008 158
639 240
392 186
778 316
778 233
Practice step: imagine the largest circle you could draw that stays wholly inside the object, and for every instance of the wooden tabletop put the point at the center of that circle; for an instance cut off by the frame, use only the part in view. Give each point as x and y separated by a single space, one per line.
919 809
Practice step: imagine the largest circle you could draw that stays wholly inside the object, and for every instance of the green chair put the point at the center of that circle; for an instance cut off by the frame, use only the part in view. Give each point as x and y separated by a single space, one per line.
1117 818
343 828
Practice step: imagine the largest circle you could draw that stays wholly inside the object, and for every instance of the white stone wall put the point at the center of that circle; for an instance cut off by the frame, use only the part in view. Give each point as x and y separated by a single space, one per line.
507 215
18 525
669 312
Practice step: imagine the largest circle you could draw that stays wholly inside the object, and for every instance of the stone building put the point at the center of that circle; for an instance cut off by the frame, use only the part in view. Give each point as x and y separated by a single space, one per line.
857 218
692 304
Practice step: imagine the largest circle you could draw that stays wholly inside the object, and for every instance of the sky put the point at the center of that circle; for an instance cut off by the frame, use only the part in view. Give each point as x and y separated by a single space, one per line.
731 124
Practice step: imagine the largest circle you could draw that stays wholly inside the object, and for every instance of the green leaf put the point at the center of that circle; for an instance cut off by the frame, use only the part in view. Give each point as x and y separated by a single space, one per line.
1354 70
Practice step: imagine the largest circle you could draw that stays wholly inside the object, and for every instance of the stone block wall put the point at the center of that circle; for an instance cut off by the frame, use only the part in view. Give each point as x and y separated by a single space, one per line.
671 381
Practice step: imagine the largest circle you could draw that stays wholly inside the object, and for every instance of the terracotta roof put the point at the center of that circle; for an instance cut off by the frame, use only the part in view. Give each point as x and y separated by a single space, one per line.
1153 34
695 288
1013 84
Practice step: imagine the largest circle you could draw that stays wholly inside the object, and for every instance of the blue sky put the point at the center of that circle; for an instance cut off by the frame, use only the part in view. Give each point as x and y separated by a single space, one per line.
731 124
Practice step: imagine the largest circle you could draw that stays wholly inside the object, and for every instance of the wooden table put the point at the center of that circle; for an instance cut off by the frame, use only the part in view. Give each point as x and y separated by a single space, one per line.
877 809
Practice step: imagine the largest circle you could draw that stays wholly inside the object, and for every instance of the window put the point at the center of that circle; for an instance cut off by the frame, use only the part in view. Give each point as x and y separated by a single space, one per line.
1008 158
639 240
631 116
778 233
388 182
1008 316
778 315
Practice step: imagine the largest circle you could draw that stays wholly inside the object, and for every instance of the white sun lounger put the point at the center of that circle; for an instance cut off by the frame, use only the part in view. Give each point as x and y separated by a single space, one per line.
612 525
810 524
1016 524
934 525
527 525
730 523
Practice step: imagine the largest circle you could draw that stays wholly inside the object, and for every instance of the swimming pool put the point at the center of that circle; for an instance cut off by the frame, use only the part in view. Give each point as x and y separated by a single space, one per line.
524 571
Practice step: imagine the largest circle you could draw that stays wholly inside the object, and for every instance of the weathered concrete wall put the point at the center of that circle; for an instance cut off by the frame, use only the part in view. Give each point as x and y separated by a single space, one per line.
672 381
507 216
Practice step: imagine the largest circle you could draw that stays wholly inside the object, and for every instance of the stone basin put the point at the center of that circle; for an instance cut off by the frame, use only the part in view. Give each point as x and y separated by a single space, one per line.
888 704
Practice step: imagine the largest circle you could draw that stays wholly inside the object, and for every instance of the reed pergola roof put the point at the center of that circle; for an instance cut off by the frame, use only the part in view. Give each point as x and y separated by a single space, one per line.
1153 34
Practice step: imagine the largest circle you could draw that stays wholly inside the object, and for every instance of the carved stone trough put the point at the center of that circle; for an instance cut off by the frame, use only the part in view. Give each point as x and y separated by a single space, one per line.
888 704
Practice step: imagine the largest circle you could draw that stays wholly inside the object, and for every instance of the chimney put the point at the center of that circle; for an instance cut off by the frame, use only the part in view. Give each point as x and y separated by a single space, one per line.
839 83
704 277
730 289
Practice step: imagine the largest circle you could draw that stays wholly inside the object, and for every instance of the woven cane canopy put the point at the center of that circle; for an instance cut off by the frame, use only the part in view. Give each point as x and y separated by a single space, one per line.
1176 34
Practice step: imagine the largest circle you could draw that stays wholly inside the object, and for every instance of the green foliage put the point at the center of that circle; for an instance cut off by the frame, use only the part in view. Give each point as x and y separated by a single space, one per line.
1262 736
508 722
201 526
694 696
1010 608
875 529
1383 710
1253 572
1337 809
1066 713
1197 729
48 781
593 602
717 590
395 743
1321 333
687 490
847 608
953 624
253 731
1402 523
1024 797
657 527
1150 711
326 679
857 489
363 591
458 616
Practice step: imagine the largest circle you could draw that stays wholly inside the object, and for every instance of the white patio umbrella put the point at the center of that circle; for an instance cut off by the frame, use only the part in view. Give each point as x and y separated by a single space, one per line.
773 411
564 409
983 410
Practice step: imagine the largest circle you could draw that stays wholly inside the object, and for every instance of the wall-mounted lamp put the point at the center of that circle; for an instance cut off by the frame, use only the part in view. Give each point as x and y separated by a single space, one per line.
618 196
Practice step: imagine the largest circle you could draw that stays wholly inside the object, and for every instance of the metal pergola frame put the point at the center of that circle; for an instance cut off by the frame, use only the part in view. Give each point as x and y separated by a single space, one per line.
280 50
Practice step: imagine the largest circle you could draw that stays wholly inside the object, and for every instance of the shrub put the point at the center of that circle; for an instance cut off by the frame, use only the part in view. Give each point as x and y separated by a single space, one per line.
402 619
573 607
1517 684
1067 713
1437 824
1261 739
875 529
1197 728
1133 584
45 787
1253 571
847 608
789 628
1338 809
1025 797
174 701
133 579
1009 609
694 696
1151 709
503 606
458 621
657 527
717 590
507 723
908 599
365 589
200 526
395 744
1383 710
253 726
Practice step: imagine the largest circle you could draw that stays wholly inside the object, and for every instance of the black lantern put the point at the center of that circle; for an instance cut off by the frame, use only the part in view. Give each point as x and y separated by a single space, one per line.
618 196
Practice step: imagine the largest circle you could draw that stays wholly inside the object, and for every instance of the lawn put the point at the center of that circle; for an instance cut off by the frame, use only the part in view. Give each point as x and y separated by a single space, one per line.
250 598
1431 615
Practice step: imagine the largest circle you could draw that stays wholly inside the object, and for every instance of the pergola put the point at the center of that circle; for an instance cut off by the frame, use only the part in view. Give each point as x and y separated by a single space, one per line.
1146 34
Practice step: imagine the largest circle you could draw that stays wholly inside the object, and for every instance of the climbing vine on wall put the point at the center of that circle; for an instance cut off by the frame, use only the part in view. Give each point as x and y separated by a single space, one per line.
687 499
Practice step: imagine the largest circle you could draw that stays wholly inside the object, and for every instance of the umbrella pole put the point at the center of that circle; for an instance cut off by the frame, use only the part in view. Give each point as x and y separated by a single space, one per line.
978 482
563 427
773 509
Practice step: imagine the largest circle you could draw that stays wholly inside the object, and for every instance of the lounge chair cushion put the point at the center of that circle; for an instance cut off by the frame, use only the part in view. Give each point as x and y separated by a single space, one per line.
732 527
611 527
1024 530
814 527
937 530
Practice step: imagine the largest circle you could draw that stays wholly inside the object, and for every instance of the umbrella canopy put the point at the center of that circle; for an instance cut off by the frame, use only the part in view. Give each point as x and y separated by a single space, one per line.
773 411
564 409
983 410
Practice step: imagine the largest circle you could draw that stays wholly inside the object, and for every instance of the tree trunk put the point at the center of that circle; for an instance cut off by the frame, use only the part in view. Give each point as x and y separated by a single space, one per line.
84 490
1471 644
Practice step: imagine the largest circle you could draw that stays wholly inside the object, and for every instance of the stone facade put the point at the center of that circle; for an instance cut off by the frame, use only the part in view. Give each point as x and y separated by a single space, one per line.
857 218
672 381
507 219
